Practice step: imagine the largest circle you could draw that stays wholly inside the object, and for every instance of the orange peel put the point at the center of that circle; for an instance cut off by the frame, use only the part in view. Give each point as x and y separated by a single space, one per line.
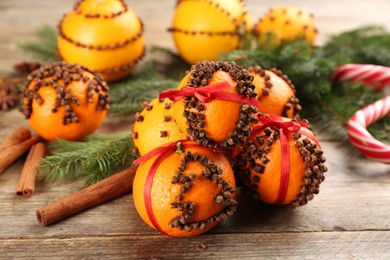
65 101
105 36
258 163
202 30
189 192
286 23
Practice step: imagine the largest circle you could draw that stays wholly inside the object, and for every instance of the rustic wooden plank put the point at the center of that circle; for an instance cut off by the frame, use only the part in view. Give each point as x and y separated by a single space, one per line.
355 197
346 206
314 245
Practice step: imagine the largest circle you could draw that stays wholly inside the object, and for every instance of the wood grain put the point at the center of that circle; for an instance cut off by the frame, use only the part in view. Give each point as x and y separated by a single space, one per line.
357 211
347 220
312 245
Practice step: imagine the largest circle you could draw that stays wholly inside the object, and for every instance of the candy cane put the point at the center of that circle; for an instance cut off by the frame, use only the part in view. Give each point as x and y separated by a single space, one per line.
373 75
361 138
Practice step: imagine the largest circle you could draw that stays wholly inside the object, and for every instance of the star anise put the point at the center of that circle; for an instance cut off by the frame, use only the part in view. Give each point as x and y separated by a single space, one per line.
9 96
27 67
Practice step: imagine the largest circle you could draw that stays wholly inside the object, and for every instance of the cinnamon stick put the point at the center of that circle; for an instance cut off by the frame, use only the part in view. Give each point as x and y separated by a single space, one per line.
29 174
105 190
12 153
19 135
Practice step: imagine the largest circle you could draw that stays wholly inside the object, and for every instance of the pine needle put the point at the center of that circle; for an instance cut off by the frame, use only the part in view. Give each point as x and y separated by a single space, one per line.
336 107
95 159
44 49
127 96
370 44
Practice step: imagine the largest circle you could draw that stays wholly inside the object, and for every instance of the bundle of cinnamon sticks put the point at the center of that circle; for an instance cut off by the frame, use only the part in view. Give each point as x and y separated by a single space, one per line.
12 148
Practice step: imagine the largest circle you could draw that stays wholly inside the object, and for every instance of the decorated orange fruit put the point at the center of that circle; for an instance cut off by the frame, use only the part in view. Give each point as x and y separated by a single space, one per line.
183 189
155 126
202 30
65 101
275 92
215 104
106 36
282 163
286 23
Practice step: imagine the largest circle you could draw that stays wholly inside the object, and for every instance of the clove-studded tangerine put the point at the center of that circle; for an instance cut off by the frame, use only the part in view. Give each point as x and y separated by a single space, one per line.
215 104
275 92
105 36
286 23
65 101
154 126
183 189
282 163
202 30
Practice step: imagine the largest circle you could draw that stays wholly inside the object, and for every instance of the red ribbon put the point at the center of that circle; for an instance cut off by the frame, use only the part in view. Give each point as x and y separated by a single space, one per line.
208 93
276 118
162 153
285 127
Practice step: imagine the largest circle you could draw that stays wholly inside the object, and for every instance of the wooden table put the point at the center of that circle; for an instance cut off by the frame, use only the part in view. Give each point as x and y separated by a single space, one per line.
349 219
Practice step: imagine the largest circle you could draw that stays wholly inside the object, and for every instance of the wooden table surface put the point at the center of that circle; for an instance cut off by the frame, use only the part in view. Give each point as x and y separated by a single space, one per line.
349 219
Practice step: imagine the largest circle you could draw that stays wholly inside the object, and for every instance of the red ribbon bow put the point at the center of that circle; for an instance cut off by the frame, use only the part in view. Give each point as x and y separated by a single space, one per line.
208 93
285 128
162 153
276 122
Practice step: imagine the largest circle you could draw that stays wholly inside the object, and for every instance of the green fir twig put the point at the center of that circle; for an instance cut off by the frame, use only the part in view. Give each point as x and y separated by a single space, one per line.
95 159
44 49
143 85
127 96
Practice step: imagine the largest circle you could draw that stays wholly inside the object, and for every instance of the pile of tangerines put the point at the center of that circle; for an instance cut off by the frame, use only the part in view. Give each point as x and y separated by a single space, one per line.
223 127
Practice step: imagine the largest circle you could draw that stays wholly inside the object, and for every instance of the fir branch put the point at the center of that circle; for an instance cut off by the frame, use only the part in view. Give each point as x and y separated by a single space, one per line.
95 159
305 65
127 96
168 63
370 44
145 83
147 70
332 112
44 49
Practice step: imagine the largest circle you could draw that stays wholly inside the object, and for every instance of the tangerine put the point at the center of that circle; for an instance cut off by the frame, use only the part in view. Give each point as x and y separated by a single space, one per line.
286 23
105 36
155 126
281 170
275 92
65 101
202 30
189 192
218 122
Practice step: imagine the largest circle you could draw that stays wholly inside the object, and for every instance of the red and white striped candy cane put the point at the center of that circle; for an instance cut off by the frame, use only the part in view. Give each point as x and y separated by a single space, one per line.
375 76
361 138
